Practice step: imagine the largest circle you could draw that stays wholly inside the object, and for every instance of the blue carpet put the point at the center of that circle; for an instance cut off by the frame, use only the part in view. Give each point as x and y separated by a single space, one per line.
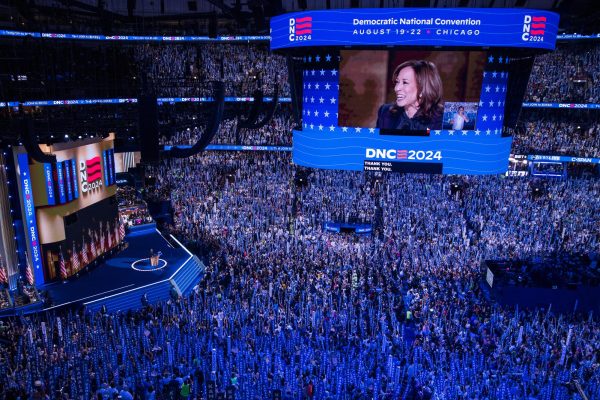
115 274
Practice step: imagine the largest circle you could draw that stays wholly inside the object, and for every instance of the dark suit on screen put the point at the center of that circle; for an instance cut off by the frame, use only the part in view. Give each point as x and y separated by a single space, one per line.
390 116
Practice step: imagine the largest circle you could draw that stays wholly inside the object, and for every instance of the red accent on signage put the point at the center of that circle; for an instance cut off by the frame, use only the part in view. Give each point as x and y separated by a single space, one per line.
304 32
538 19
537 32
94 169
306 19
538 26
302 26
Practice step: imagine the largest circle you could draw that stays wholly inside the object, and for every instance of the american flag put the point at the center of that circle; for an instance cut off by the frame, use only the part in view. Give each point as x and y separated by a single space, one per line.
93 245
102 243
63 266
84 255
75 259
116 232
108 236
122 231
3 277
29 273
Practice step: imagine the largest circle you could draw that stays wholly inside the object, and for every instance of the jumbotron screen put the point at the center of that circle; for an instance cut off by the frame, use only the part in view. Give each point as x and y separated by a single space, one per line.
410 89
407 110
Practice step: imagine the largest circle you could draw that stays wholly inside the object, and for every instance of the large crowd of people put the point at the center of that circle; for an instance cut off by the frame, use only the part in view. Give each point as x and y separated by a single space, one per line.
285 305
566 75
187 127
72 69
572 132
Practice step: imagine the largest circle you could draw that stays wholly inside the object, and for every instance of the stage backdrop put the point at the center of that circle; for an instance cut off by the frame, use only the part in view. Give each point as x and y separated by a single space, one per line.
53 196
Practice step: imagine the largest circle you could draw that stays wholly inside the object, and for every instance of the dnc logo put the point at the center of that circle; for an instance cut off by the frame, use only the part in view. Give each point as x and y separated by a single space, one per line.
533 29
300 29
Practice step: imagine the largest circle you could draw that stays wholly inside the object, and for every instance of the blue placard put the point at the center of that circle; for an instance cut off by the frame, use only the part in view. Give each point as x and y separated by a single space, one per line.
49 184
539 157
591 106
60 177
74 177
67 168
477 27
105 168
30 219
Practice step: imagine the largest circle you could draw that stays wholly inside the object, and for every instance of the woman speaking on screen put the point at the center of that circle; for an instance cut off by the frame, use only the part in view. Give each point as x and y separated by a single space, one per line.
419 104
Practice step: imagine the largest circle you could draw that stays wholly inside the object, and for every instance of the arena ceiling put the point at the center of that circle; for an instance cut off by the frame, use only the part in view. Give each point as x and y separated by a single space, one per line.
251 16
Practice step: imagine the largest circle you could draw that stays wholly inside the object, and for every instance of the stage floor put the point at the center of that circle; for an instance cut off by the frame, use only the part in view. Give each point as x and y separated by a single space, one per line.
124 270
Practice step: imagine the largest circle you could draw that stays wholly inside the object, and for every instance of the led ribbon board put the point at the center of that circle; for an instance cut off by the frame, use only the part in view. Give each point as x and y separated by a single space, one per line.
416 27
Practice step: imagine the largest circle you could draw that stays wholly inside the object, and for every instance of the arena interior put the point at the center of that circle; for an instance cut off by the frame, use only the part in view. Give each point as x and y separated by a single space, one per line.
237 200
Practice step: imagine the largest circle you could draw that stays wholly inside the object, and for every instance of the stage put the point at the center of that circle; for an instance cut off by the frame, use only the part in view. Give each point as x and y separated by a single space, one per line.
127 271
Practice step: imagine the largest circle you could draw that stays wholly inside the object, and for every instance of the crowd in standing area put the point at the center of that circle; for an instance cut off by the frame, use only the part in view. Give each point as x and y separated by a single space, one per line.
285 305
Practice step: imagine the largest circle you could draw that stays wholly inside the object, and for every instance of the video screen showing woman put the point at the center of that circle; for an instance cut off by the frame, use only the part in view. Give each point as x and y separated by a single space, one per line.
418 105
410 91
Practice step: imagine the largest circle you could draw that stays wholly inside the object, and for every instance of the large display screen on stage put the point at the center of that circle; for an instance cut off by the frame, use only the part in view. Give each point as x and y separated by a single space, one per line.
498 27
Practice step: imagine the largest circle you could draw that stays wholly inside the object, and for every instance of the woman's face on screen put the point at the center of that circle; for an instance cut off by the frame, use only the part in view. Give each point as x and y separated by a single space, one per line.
406 88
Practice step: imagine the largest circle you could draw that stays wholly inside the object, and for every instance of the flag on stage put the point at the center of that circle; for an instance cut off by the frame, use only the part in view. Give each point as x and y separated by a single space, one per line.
74 259
108 236
116 232
101 238
84 255
3 273
122 231
93 245
63 267
29 272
